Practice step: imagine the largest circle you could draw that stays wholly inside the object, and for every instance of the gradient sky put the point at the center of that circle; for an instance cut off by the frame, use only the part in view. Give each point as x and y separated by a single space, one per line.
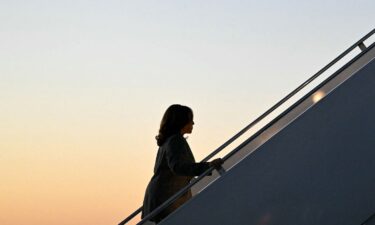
83 86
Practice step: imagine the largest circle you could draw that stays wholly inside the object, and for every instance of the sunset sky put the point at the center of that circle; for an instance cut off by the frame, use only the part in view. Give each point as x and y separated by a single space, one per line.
84 84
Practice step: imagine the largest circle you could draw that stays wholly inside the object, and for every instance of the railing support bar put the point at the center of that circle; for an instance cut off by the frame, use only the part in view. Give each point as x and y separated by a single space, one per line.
127 219
362 46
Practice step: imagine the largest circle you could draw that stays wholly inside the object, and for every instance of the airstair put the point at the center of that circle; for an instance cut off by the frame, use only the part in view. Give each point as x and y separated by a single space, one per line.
313 162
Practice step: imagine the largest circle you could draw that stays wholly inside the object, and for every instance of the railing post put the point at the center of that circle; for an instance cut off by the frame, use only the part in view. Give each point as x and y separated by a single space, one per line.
221 170
362 46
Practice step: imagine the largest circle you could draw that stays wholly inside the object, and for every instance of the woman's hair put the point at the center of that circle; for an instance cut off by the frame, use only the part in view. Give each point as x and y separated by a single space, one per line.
174 119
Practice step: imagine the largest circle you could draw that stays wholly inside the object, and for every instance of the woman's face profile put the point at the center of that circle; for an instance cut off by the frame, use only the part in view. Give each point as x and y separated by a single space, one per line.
188 128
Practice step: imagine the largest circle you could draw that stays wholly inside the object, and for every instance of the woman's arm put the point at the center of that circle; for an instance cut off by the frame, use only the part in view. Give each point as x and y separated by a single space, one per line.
180 159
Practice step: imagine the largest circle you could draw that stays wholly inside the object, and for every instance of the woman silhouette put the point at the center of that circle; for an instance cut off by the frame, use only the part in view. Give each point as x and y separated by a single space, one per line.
175 165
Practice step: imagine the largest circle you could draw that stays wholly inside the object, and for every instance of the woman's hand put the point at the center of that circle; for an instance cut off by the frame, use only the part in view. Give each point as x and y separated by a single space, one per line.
216 163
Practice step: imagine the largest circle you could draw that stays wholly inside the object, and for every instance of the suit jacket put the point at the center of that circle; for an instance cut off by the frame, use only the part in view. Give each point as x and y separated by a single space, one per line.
175 166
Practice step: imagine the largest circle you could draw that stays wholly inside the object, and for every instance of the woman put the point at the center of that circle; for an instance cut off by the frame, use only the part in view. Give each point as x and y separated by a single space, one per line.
175 165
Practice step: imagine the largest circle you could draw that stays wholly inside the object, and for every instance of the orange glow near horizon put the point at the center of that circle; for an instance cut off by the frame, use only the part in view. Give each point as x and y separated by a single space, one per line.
65 173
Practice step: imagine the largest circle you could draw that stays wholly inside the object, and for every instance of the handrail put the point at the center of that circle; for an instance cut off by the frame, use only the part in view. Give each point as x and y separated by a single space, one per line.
175 196
131 216
230 154
252 124
286 98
